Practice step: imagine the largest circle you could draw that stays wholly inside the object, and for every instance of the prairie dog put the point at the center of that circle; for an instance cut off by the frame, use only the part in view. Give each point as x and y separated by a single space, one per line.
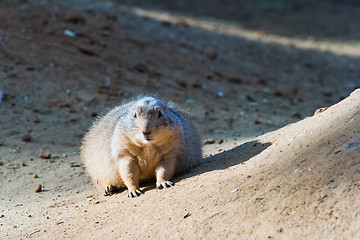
142 139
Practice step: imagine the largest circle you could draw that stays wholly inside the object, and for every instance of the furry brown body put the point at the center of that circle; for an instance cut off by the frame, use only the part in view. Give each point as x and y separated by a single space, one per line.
140 140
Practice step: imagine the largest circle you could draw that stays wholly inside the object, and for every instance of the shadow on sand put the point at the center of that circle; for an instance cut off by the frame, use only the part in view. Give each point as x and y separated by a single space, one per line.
229 158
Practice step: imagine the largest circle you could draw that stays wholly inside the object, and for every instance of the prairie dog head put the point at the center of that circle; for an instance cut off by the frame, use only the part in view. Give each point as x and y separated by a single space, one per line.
149 120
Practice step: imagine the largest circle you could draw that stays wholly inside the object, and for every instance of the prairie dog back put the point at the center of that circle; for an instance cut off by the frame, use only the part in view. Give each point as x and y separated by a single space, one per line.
140 140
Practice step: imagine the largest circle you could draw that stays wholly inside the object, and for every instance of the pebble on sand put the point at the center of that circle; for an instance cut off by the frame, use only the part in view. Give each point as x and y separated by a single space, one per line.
26 138
38 188
44 155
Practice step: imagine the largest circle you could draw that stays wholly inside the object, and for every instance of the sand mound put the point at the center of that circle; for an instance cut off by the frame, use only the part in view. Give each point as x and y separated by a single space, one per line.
305 184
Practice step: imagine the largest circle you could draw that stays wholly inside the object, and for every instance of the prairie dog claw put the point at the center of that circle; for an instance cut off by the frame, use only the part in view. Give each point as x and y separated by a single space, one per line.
132 194
108 191
164 184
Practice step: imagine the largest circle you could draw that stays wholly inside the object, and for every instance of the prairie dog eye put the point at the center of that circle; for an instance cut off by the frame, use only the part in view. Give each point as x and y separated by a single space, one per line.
159 114
135 116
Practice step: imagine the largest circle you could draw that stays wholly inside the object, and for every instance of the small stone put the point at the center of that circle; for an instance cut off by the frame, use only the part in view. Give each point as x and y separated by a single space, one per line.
74 164
35 176
320 110
209 141
38 188
86 51
36 120
181 83
26 138
69 33
197 84
75 17
249 98
322 197
257 121
142 68
220 141
212 55
353 144
261 81
44 155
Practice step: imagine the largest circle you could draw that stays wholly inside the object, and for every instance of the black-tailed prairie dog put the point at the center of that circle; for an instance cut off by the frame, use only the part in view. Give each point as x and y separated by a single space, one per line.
142 139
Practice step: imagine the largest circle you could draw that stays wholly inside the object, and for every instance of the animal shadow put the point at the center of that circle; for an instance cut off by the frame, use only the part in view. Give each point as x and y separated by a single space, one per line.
226 159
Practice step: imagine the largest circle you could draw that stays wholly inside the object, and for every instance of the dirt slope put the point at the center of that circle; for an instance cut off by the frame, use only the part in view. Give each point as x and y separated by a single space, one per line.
239 77
301 181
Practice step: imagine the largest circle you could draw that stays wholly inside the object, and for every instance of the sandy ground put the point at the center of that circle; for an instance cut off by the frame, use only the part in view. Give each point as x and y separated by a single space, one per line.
250 76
